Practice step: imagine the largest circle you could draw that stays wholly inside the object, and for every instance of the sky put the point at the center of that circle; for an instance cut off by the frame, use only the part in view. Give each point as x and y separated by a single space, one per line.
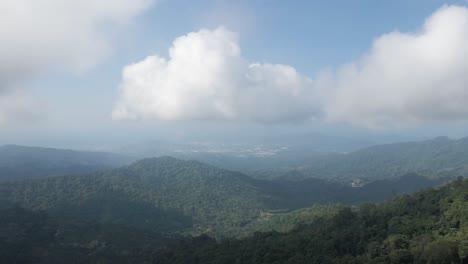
99 73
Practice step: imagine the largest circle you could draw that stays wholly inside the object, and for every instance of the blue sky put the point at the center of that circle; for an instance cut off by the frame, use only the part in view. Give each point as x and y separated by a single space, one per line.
73 108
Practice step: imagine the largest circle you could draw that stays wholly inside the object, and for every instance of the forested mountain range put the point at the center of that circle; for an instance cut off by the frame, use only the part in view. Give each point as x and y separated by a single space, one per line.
21 162
126 214
427 227
162 194
169 195
435 157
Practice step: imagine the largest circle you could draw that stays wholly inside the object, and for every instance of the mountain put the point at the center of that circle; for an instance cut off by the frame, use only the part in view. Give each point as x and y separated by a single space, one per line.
20 162
439 156
125 215
169 195
427 227
163 194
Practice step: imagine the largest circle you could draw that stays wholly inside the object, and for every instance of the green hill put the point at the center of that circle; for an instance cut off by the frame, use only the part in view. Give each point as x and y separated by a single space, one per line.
439 156
162 194
427 227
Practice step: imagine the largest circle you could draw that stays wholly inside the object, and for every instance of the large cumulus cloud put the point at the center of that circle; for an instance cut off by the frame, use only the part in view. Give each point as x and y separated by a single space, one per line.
405 79
206 77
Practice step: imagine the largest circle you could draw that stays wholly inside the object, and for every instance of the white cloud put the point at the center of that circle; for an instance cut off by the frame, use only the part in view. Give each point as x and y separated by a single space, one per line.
207 78
42 35
406 78
39 34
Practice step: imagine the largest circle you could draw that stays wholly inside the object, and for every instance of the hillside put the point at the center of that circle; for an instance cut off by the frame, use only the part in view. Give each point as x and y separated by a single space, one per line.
29 237
306 192
20 162
427 227
164 194
434 157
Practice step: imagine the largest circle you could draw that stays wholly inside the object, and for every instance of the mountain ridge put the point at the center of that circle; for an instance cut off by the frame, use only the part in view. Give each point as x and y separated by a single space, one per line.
25 162
432 157
187 196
